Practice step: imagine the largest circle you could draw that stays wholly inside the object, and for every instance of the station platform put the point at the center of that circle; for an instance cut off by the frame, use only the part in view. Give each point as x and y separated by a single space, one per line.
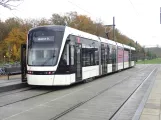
152 106
11 83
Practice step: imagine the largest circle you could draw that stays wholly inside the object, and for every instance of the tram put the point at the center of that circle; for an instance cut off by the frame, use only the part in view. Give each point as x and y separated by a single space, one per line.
60 55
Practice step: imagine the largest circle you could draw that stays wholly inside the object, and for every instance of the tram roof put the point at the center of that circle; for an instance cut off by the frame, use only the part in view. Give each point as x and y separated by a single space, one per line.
119 45
79 33
53 27
126 46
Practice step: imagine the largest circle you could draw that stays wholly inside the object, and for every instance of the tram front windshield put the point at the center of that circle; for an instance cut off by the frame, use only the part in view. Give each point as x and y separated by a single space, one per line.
44 47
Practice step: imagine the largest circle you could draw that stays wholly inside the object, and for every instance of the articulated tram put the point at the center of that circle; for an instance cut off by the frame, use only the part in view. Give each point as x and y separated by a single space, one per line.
60 55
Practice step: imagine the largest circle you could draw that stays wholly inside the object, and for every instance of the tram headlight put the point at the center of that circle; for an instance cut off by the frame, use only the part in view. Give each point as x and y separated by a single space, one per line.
29 72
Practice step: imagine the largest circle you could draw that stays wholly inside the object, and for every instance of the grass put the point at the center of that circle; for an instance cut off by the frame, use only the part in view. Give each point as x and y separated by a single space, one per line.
153 61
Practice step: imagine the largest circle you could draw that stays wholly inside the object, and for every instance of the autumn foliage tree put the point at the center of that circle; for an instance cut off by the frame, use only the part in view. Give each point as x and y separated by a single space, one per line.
14 31
13 43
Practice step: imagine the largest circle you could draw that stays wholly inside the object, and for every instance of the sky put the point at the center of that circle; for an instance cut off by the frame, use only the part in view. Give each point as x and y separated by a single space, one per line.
137 19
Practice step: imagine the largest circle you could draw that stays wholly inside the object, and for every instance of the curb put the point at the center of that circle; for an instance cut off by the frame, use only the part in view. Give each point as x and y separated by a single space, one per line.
143 102
13 87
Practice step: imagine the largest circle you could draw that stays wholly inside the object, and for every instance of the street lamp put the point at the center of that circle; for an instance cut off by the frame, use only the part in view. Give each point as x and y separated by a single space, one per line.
4 58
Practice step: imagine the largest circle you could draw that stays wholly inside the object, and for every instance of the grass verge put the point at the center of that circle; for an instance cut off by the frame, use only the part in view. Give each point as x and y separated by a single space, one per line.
153 61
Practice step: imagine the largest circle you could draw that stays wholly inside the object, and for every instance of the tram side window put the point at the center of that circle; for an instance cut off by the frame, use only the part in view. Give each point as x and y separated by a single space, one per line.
96 56
72 48
110 55
133 56
64 65
65 55
92 56
113 54
88 52
129 55
83 57
102 53
72 38
106 54
87 57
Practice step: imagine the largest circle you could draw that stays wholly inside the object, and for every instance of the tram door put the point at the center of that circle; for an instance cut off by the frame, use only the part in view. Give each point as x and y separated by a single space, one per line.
130 58
104 59
78 61
23 63
114 66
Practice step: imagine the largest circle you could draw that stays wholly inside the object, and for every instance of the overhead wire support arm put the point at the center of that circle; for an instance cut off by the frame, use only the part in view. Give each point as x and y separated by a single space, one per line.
113 27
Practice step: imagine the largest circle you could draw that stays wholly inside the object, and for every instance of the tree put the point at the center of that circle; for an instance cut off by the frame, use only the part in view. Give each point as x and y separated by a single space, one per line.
3 29
70 17
26 25
13 23
10 4
84 23
10 24
13 42
57 19
44 21
3 49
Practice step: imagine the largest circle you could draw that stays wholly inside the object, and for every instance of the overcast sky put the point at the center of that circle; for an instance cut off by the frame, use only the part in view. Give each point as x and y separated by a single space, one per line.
137 19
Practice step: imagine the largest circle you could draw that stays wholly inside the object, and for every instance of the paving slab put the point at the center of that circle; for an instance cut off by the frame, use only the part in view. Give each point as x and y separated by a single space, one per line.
149 117
152 105
151 111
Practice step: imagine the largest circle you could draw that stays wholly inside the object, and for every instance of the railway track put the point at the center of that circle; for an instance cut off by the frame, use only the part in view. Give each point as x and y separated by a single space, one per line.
49 90
39 91
112 116
33 88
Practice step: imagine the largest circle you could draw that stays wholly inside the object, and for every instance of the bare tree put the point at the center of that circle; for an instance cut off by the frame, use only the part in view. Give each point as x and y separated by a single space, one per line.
10 4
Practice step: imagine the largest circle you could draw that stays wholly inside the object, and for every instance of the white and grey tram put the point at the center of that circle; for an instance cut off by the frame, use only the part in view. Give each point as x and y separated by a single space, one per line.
60 55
